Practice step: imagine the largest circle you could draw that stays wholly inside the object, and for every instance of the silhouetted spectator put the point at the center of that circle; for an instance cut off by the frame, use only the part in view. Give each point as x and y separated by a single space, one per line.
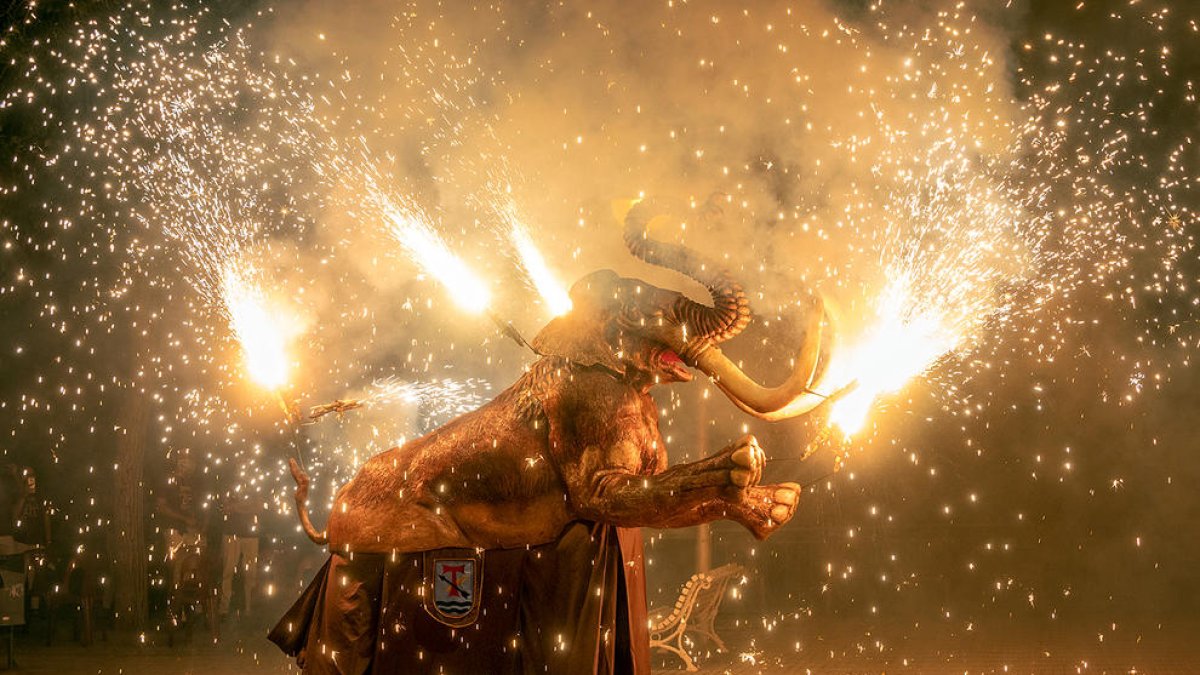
14 493
33 515
239 550
179 505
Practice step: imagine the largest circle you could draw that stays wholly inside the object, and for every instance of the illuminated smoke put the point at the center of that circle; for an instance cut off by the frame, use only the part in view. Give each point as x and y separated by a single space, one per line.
964 212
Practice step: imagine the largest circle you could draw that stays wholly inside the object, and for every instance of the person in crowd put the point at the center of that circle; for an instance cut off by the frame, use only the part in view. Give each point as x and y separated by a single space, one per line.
32 527
239 550
179 504
12 502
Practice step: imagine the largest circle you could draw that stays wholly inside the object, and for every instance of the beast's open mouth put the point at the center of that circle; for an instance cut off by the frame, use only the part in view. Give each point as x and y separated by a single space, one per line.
674 366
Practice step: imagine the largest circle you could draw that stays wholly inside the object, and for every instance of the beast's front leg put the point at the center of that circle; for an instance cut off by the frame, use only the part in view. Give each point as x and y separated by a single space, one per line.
762 509
602 486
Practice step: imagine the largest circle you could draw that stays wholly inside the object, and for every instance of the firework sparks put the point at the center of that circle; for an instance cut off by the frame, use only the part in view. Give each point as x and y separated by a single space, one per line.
443 397
982 204
258 329
435 258
407 225
902 343
548 286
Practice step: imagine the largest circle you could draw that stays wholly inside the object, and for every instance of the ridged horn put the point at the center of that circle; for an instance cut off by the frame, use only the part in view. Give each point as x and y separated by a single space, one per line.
790 399
730 312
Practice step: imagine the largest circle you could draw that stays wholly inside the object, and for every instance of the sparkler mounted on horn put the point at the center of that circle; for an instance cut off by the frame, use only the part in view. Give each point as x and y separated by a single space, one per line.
429 251
261 333
903 339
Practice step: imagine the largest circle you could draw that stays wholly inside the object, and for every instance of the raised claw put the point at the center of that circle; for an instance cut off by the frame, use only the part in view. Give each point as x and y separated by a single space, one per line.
743 456
748 460
766 508
785 497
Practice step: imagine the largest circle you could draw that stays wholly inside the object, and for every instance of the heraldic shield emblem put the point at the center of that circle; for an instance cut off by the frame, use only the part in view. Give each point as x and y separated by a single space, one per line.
455 579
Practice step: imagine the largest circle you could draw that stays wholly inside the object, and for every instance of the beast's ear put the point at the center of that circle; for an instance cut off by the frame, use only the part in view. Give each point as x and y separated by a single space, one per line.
580 340
581 335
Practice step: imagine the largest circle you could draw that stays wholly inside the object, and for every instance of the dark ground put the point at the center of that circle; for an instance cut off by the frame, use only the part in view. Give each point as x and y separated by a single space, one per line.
791 646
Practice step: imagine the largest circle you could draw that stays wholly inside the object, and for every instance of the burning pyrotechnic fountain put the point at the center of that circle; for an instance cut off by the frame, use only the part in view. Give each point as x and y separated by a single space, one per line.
902 342
405 223
554 295
1067 202
408 226
431 253
261 331
951 236
258 331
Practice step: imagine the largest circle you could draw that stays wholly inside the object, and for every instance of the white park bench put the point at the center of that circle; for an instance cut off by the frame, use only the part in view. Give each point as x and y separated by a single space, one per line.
694 613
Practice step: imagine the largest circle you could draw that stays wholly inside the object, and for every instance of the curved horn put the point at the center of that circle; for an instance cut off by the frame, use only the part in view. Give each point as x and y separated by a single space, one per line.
730 312
790 399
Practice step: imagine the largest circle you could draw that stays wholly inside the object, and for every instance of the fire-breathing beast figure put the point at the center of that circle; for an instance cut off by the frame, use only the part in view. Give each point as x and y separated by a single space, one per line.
543 489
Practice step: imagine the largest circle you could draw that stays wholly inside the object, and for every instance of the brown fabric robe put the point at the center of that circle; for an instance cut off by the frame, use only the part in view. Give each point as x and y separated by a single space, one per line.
575 605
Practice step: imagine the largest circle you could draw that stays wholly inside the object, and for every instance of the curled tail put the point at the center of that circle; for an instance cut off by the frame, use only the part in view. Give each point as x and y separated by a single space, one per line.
301 494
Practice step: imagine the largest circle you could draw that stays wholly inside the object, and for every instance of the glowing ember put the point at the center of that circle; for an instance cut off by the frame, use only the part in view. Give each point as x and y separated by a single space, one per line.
264 345
553 294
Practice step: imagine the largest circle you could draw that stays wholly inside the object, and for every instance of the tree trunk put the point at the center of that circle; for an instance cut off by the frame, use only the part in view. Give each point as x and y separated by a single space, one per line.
127 536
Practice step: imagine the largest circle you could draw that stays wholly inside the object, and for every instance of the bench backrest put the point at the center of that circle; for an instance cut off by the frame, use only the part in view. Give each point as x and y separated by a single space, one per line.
708 601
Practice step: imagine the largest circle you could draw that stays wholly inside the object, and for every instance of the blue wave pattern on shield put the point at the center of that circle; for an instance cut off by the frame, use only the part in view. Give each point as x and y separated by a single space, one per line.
454 586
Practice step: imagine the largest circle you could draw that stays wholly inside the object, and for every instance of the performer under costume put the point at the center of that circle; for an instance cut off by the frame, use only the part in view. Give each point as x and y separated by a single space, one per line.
576 605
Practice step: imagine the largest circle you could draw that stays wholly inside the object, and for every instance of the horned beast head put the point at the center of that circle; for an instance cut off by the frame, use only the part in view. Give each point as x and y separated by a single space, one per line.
652 335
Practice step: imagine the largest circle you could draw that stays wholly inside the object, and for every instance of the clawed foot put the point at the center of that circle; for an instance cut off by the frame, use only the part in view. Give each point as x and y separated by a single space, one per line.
748 461
765 508
762 508
738 469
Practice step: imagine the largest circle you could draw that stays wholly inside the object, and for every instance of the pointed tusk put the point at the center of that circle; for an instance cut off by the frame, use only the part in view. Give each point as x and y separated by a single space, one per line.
790 399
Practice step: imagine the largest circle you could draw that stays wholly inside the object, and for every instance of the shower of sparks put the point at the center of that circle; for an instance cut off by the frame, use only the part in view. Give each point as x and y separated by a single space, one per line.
258 329
952 236
901 343
547 285
442 398
982 237
428 250
407 225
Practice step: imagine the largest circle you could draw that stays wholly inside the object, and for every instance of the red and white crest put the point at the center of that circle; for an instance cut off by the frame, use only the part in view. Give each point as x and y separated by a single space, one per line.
456 584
